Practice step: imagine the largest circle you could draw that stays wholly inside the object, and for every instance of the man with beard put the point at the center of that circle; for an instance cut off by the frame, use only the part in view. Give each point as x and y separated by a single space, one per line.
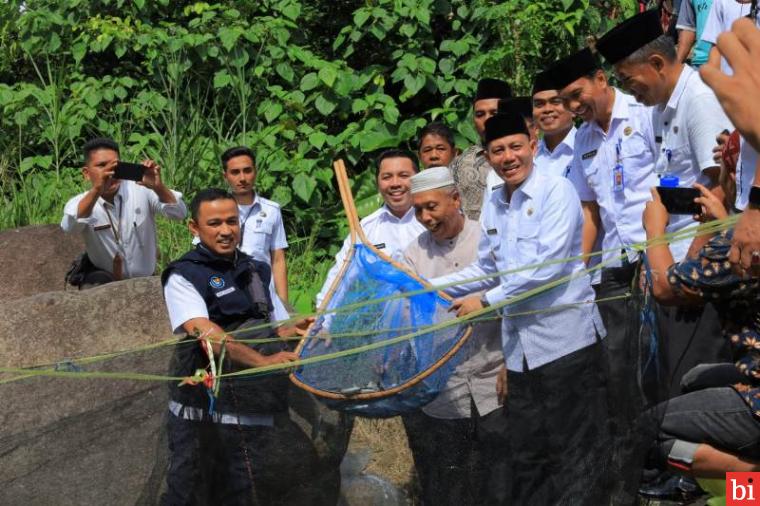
470 469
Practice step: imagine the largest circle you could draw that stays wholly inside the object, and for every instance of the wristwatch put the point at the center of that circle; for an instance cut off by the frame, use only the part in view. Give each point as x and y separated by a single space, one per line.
754 196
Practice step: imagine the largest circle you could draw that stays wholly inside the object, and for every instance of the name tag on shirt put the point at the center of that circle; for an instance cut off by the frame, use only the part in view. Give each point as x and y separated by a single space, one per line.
491 231
224 292
590 154
380 245
101 227
658 139
618 181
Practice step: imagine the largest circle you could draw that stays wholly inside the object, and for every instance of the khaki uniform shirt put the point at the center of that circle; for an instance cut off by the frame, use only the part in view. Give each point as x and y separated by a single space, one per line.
470 170
475 378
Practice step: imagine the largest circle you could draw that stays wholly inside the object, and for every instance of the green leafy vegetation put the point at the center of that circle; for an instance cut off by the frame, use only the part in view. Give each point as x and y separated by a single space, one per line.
301 82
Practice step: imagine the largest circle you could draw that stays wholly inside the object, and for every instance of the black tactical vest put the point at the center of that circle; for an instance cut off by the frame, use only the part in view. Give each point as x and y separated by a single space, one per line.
237 296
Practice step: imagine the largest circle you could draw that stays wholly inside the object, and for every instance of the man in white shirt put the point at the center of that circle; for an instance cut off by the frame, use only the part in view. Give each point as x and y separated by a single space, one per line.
723 14
544 112
613 171
230 442
686 117
392 227
556 396
262 233
466 412
117 217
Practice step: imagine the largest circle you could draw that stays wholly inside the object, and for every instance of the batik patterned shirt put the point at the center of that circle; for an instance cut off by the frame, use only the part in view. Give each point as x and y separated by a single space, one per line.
470 170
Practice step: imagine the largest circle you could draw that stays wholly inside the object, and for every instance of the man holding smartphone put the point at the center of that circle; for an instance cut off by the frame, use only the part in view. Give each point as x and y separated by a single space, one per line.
117 217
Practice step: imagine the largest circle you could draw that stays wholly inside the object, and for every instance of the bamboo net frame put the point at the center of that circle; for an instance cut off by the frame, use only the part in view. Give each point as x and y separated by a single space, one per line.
357 235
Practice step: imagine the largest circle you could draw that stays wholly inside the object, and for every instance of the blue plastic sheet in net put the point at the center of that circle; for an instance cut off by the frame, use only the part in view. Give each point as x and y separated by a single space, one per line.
369 278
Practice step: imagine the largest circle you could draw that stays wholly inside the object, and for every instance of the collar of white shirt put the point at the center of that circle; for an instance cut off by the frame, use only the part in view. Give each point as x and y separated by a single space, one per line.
567 144
386 214
683 80
620 110
528 187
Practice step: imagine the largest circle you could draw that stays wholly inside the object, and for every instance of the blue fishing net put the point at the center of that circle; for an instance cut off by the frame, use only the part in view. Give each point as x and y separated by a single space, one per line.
380 382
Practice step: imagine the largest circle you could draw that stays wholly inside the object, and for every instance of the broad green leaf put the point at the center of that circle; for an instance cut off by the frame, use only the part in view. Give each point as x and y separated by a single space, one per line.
390 114
228 37
360 17
78 51
292 11
222 79
359 105
309 81
54 43
328 75
566 4
273 111
285 71
317 139
304 186
324 106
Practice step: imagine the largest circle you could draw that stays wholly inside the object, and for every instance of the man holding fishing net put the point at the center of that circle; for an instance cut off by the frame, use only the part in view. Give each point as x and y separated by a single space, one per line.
551 329
230 438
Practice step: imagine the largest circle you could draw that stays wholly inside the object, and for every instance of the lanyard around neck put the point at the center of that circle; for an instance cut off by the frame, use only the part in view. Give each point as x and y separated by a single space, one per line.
244 221
115 228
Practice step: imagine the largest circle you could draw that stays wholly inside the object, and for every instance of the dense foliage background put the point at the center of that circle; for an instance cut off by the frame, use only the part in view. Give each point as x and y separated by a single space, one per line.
301 82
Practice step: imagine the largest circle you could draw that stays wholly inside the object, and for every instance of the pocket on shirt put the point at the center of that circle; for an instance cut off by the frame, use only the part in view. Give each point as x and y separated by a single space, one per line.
634 146
527 241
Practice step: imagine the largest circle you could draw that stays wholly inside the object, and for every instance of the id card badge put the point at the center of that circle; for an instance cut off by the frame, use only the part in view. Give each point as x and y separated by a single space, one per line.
618 180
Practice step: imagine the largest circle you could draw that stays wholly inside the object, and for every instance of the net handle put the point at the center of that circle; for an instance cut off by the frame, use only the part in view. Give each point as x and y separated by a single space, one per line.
348 202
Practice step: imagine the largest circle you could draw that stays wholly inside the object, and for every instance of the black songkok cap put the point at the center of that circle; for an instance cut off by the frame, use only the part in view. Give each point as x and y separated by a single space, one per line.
630 36
492 88
543 81
503 124
573 67
521 105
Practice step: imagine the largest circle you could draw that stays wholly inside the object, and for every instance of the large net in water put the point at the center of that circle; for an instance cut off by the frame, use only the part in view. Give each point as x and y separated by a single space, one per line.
381 345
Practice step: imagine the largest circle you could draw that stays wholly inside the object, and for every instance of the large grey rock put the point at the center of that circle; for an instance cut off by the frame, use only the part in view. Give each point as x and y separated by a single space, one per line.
84 441
35 259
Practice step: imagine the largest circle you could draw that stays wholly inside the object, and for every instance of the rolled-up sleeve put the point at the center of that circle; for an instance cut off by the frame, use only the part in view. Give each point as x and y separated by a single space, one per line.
176 211
183 302
70 223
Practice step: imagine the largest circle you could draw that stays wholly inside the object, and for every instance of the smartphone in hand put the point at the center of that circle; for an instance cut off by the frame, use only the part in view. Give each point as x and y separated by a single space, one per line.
130 171
680 200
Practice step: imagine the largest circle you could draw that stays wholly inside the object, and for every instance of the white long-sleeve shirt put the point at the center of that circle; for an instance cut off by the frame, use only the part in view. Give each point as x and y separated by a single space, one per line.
126 227
542 222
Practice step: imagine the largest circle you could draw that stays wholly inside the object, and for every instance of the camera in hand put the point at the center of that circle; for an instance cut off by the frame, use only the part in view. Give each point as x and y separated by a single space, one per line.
130 171
679 200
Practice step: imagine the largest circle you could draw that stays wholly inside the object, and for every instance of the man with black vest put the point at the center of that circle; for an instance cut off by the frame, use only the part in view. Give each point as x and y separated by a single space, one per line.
230 438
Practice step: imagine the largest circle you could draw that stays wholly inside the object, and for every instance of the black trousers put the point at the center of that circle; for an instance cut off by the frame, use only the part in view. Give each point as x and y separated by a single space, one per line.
715 416
559 432
462 461
621 320
688 337
212 463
